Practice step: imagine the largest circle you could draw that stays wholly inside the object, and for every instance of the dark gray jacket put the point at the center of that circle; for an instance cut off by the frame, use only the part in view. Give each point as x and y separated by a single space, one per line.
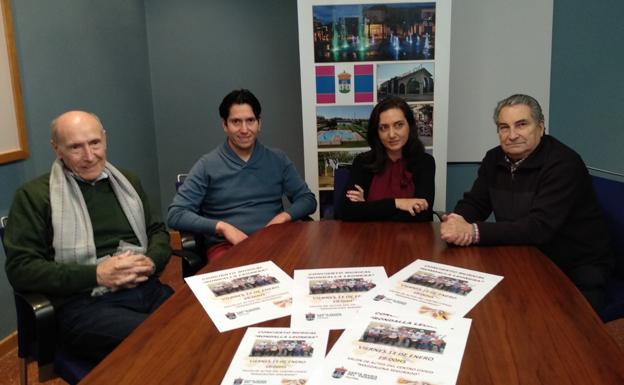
548 202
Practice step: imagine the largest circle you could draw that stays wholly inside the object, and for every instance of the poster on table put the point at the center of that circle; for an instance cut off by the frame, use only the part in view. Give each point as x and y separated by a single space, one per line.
389 346
328 298
434 290
354 53
244 295
277 356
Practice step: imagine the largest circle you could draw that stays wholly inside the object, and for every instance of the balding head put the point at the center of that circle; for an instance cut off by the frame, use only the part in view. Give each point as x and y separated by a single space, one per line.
79 141
69 118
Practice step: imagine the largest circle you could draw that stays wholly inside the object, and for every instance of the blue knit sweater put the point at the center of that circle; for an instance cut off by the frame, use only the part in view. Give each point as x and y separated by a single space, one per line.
247 195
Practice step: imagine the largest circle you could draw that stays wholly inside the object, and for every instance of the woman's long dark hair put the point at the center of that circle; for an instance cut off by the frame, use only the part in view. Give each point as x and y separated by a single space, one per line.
375 159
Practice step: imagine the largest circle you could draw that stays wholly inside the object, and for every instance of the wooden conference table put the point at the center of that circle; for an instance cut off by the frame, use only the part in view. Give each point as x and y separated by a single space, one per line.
534 327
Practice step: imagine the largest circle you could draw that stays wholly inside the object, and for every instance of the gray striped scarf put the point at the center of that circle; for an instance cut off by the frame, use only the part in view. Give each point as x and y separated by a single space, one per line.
73 233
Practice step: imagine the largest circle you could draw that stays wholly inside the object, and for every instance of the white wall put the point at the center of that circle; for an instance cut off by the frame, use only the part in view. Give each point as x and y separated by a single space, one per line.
498 48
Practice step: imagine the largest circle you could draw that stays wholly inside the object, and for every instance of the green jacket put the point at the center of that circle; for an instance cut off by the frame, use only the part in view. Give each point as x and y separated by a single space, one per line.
30 264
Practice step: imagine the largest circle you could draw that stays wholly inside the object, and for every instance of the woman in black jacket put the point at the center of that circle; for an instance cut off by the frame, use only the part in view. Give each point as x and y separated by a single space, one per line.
394 181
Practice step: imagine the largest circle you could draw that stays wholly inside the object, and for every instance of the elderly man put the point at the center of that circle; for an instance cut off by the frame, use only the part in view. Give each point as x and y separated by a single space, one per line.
237 188
84 236
541 194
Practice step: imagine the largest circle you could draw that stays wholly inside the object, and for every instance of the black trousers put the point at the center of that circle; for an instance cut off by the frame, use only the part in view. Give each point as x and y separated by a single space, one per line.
91 327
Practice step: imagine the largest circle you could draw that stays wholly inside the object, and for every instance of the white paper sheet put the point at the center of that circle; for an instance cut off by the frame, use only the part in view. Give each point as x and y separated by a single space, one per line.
277 356
434 290
329 298
244 295
389 346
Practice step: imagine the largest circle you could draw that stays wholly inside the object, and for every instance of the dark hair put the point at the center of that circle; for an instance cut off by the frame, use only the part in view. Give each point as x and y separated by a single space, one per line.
513 100
242 96
376 158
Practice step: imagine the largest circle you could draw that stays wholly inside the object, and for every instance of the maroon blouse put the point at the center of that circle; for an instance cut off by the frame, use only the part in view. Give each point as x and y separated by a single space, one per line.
395 181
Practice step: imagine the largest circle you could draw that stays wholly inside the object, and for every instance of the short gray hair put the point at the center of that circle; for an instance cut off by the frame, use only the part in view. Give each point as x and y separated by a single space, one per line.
536 109
54 125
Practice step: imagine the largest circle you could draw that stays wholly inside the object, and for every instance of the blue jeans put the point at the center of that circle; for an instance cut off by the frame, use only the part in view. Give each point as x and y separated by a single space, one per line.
91 327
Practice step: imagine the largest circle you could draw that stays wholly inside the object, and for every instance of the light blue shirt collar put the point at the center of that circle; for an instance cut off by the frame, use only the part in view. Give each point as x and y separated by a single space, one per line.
103 175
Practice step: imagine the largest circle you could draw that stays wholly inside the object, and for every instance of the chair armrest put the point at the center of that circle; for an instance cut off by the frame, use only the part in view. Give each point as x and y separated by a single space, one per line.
191 248
439 215
36 327
191 261
188 243
614 307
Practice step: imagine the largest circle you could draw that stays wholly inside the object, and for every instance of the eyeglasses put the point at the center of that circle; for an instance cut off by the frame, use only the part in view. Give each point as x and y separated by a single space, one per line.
236 122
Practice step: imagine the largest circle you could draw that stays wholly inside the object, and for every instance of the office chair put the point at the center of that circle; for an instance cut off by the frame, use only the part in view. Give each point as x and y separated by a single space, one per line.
341 177
36 338
193 246
36 331
609 193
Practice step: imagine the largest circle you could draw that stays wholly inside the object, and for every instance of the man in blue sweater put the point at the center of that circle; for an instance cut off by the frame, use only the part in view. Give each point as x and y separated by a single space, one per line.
237 188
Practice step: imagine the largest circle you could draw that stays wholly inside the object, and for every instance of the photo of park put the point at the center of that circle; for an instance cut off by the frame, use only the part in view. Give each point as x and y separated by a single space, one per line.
423 114
374 32
329 161
342 126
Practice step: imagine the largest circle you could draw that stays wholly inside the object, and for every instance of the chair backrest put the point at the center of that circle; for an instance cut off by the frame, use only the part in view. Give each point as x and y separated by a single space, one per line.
36 338
3 223
179 180
341 177
194 247
610 194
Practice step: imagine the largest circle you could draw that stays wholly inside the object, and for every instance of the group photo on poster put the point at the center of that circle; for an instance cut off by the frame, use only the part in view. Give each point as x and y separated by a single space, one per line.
330 298
244 295
434 290
387 345
277 356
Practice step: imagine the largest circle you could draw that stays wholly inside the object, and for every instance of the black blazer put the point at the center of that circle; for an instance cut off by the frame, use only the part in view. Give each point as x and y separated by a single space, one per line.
423 174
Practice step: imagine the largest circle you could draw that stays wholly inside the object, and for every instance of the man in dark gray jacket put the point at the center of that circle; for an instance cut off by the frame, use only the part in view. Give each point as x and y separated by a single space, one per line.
541 194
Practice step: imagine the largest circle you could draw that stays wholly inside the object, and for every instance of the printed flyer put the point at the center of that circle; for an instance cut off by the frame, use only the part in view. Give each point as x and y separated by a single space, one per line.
244 295
277 356
436 290
329 298
390 346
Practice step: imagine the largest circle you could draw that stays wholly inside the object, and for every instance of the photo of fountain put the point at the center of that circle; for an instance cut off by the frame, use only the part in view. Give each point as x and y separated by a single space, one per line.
374 32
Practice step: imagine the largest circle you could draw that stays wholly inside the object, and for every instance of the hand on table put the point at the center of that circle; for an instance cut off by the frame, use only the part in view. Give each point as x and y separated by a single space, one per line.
230 233
282 217
411 205
455 230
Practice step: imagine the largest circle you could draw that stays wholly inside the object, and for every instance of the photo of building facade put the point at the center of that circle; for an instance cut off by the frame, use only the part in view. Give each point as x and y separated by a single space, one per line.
414 85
